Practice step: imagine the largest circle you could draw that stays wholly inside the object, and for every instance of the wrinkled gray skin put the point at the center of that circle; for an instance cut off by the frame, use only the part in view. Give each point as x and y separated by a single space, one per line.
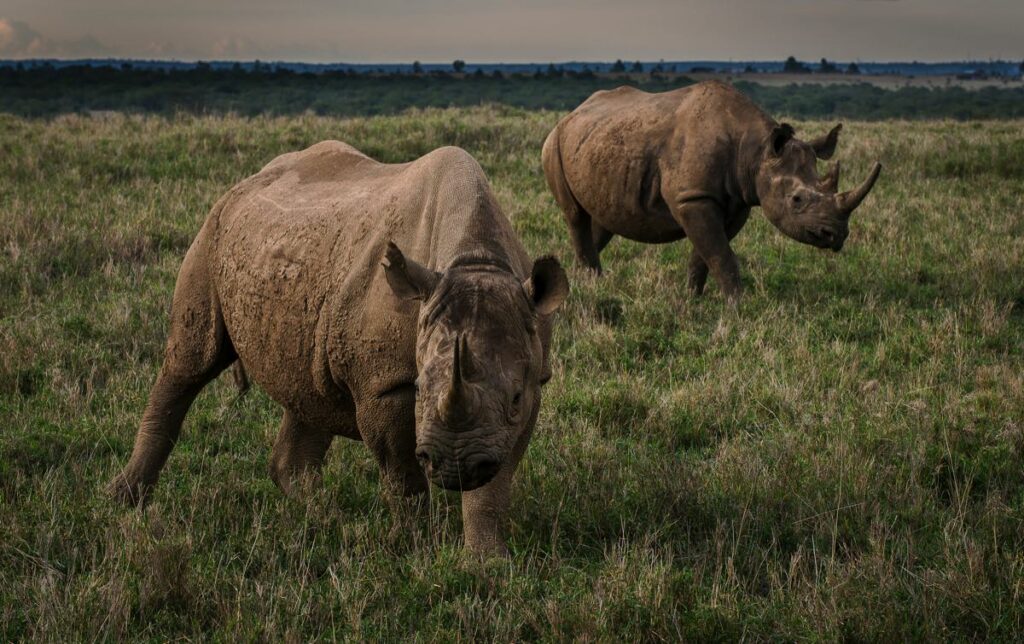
433 357
691 163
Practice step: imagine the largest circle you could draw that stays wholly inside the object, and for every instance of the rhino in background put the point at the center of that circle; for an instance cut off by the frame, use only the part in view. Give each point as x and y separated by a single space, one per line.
691 163
434 357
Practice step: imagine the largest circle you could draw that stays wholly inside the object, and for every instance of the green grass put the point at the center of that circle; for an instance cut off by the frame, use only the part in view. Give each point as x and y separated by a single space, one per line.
839 459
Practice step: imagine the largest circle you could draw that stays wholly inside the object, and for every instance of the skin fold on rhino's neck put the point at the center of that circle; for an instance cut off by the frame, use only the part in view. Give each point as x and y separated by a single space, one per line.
750 153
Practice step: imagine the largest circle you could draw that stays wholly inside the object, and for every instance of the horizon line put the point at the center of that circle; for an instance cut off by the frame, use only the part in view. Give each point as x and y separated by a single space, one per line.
468 63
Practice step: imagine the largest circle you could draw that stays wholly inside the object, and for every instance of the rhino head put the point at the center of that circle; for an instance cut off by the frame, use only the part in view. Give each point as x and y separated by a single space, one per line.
479 358
803 205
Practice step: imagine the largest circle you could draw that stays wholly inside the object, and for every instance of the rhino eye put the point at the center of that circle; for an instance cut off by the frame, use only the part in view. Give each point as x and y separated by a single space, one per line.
512 411
797 200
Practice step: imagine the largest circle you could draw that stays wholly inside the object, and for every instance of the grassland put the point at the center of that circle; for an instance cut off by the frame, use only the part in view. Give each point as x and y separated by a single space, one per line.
841 458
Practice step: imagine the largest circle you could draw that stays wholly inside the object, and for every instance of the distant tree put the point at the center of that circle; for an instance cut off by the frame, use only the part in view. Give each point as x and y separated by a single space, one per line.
827 67
620 67
1020 68
749 69
793 66
479 73
659 67
497 74
852 68
417 68
458 65
637 67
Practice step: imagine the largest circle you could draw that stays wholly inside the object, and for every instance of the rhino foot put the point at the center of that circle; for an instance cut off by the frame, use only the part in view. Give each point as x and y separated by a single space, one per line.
127 492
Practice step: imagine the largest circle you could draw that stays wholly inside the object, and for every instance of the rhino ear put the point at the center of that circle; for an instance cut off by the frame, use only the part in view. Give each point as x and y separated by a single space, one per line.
780 136
548 286
408 280
825 146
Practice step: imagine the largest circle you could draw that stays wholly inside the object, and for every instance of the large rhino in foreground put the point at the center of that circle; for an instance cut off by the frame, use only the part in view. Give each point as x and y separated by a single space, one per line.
433 357
691 163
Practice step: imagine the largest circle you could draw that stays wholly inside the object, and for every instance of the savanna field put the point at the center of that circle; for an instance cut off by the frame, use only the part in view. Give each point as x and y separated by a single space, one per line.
839 458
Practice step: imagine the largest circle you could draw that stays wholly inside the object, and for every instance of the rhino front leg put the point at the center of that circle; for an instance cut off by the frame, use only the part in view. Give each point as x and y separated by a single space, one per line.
697 273
298 454
485 516
387 424
198 349
169 401
703 223
485 510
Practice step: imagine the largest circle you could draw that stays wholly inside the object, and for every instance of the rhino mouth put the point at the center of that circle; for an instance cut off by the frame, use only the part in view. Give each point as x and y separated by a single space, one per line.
459 475
828 238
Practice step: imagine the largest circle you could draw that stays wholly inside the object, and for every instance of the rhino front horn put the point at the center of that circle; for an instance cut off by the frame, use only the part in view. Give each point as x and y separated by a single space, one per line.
846 202
454 401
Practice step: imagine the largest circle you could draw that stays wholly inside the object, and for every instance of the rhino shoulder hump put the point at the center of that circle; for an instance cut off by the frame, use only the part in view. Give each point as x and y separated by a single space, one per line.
323 149
454 162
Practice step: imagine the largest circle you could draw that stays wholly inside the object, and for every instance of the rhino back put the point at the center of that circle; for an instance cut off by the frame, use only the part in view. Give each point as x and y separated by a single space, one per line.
610 147
628 154
298 265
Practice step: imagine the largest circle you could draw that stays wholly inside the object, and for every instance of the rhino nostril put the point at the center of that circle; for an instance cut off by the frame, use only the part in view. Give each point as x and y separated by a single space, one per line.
482 467
423 456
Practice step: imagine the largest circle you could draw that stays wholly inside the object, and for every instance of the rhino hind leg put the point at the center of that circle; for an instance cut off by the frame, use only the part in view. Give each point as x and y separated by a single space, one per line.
578 219
583 233
240 377
601 236
298 455
697 274
198 350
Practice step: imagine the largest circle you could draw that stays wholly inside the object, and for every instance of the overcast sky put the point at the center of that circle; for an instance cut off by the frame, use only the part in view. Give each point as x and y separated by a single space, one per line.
519 31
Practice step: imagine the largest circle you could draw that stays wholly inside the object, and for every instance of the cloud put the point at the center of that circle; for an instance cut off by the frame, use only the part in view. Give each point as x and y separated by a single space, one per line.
19 40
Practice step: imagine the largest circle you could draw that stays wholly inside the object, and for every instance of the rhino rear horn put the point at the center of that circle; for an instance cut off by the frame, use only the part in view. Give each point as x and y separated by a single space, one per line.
847 201
830 182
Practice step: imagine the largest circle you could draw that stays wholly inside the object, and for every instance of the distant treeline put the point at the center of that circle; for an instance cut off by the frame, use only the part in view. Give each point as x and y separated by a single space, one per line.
48 91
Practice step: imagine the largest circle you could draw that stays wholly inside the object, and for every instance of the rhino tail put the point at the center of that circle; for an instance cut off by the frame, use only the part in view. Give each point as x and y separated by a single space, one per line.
240 377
